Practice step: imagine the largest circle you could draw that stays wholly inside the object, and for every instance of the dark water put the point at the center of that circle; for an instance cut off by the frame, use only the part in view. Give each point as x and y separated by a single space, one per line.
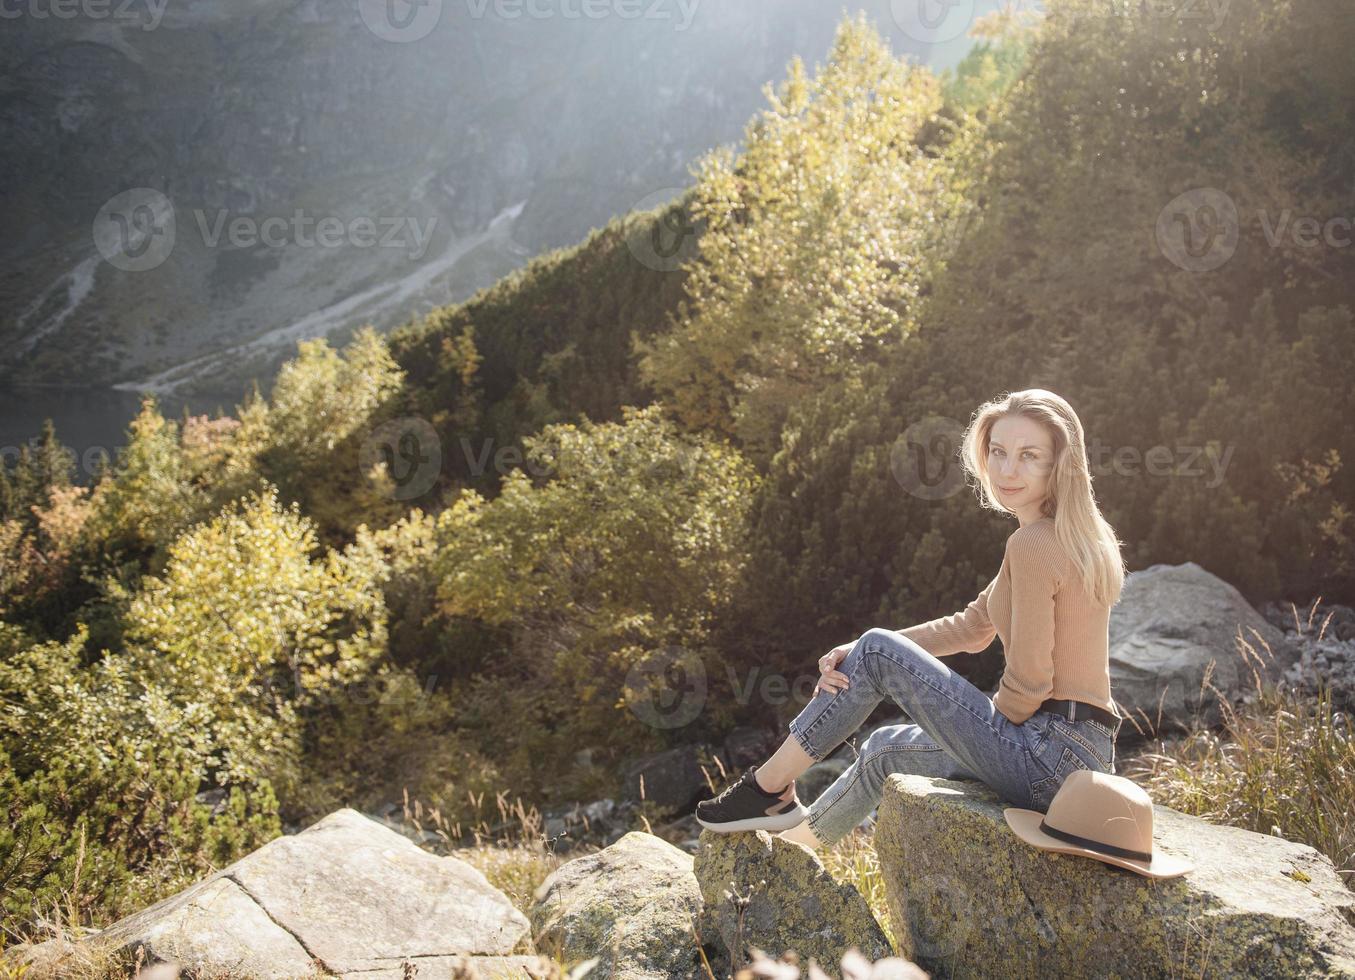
89 421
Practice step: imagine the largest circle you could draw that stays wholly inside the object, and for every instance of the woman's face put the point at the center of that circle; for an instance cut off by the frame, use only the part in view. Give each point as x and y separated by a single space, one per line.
1020 460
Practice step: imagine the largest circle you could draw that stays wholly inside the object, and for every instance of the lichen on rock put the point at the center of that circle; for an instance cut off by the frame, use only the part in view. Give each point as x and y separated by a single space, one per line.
792 902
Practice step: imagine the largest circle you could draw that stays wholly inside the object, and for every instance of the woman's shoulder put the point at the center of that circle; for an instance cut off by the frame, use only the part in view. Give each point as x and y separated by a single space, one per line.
1036 534
1038 542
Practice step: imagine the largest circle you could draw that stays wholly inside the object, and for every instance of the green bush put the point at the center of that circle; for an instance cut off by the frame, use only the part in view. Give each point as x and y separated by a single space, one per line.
628 543
245 638
99 776
253 630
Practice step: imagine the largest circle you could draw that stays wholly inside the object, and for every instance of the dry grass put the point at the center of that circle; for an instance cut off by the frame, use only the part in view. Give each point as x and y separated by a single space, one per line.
514 853
1283 764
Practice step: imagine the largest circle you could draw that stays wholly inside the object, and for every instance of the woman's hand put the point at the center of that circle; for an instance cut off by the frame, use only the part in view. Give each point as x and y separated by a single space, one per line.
830 678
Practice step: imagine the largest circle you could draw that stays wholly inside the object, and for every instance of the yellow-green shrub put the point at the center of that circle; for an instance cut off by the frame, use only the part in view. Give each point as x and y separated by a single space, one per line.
629 542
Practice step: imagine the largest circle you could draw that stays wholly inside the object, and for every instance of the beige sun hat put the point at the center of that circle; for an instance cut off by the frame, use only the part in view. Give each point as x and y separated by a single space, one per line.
1098 815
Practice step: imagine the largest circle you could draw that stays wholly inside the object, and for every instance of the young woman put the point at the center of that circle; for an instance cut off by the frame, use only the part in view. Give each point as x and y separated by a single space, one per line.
1049 603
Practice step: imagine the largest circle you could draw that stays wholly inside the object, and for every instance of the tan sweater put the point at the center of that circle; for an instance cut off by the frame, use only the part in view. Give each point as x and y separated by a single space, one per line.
1056 640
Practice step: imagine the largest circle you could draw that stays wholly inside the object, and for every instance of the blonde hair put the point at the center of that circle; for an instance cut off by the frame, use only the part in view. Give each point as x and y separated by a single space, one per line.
1084 535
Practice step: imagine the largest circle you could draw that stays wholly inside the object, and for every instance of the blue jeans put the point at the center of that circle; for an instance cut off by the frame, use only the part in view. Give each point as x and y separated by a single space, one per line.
958 734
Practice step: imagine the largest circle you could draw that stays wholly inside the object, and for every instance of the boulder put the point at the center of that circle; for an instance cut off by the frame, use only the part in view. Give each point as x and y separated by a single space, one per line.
811 783
214 922
968 898
1329 663
1331 619
1170 623
57 957
672 779
793 903
747 746
462 967
348 896
675 779
635 905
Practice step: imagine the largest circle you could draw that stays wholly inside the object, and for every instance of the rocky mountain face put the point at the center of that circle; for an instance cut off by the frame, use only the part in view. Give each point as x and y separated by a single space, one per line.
190 187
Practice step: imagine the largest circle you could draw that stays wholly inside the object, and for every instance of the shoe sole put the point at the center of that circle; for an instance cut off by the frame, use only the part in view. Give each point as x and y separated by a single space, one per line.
780 821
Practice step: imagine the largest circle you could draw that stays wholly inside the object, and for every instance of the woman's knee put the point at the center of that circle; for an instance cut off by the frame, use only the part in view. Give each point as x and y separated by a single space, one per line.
872 643
877 637
868 644
889 650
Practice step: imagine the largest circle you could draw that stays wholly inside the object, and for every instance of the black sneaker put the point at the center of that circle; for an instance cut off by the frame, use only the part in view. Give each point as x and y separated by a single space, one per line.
744 805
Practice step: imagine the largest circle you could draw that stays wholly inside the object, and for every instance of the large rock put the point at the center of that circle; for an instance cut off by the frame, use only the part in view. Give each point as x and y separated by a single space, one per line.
968 898
635 905
1170 623
1326 663
811 783
672 779
747 746
676 778
215 922
793 903
348 896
